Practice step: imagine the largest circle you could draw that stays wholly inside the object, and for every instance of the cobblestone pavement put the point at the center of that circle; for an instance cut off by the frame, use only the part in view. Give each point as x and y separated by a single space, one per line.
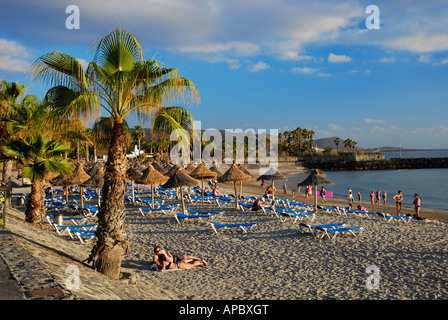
37 264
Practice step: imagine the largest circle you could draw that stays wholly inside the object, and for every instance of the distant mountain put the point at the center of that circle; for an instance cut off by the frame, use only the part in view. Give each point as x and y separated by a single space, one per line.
329 143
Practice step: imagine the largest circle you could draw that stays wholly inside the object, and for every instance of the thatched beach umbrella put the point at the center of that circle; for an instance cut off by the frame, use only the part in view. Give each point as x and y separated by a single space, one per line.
133 173
151 177
202 172
316 178
243 168
234 175
273 176
159 167
78 177
190 168
96 180
180 179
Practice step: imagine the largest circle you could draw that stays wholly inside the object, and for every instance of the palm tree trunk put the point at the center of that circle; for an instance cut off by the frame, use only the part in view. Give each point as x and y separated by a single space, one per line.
35 210
107 252
7 170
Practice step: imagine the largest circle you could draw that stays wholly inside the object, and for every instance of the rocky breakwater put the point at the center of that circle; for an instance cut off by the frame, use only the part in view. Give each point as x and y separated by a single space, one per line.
344 164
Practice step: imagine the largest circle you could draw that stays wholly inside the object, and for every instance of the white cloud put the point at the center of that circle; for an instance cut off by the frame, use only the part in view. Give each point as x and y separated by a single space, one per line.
373 121
305 70
444 61
13 56
338 58
13 65
387 59
335 127
260 65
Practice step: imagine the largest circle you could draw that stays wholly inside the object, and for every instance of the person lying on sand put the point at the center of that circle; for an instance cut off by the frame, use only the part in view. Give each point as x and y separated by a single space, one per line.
167 265
161 256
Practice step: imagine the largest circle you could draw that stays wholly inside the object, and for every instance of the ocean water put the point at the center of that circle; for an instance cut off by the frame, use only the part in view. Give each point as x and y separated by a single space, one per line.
430 184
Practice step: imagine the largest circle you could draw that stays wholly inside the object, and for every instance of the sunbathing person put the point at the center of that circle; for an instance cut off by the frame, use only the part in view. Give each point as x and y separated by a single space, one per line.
216 192
163 255
258 205
168 265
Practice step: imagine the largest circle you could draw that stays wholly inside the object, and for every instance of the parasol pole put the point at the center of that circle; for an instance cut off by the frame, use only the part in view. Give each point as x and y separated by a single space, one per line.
82 198
202 189
182 195
236 195
315 198
152 195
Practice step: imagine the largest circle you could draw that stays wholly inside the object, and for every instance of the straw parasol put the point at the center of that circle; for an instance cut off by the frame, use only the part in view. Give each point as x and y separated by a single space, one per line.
180 179
315 178
243 168
159 167
96 180
133 173
235 175
78 177
273 176
190 168
151 176
202 172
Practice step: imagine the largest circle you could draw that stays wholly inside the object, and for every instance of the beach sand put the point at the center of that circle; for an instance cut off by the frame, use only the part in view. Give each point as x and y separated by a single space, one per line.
276 261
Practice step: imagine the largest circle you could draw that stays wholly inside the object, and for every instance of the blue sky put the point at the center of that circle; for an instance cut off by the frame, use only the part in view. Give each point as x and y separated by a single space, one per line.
268 64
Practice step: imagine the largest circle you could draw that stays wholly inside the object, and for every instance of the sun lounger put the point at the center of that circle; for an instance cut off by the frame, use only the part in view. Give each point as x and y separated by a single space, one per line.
293 215
361 213
62 229
81 234
389 218
184 217
315 229
165 209
74 220
217 227
333 233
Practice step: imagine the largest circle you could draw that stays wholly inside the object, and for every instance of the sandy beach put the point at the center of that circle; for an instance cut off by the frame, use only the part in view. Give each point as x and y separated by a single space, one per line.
276 261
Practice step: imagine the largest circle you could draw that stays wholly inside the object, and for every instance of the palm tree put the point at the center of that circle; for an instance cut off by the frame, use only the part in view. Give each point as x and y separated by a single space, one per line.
336 142
40 156
139 134
122 82
10 95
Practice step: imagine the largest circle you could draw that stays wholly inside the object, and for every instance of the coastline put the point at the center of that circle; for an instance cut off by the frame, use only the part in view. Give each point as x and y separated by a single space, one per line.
289 168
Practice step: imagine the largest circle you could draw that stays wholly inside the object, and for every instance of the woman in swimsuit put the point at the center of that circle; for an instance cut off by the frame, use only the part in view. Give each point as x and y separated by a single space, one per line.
168 265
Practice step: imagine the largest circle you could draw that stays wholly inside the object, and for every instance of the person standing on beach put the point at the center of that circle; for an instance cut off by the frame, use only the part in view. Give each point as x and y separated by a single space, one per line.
384 197
378 197
359 197
350 198
398 198
298 187
285 188
322 194
416 203
372 198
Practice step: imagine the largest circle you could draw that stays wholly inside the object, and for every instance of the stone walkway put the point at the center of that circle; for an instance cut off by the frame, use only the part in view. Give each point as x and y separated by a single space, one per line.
44 266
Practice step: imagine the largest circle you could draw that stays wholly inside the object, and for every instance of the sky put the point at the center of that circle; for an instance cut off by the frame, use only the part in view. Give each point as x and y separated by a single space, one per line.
327 66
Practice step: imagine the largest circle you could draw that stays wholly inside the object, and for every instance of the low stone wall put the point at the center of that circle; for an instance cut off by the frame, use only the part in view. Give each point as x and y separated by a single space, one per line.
392 164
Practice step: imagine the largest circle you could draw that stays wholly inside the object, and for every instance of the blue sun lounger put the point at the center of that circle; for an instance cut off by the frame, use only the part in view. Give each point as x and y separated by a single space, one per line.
333 233
164 208
74 220
293 215
389 218
315 229
182 216
235 226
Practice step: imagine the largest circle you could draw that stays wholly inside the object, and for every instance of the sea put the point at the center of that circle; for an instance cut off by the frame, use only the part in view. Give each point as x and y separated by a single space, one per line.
430 184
